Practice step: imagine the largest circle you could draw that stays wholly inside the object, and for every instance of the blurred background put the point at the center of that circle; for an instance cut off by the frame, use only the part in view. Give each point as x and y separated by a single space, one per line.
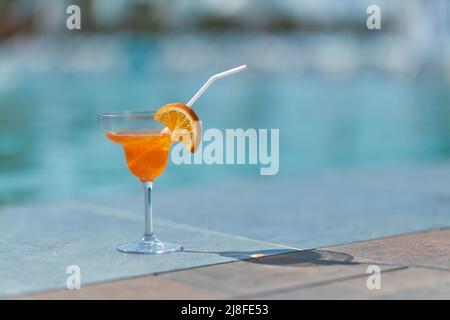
342 96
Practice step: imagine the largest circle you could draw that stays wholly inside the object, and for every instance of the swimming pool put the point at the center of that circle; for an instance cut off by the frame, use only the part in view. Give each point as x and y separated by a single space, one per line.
52 88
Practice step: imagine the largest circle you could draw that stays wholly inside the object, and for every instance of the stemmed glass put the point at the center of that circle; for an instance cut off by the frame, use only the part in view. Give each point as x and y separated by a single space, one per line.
146 148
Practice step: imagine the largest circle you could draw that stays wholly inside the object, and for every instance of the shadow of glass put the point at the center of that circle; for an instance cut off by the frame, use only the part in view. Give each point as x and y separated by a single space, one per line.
285 257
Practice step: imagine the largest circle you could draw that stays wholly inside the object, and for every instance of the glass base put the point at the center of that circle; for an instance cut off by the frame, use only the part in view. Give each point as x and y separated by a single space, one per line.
149 244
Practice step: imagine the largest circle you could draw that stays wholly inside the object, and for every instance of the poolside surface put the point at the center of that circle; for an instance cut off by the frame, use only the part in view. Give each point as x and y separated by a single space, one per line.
244 223
407 272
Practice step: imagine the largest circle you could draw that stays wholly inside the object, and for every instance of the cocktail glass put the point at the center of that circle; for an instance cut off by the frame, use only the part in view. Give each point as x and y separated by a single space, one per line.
146 148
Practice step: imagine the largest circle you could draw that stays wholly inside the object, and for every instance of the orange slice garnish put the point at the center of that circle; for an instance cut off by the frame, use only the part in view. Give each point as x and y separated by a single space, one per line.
183 124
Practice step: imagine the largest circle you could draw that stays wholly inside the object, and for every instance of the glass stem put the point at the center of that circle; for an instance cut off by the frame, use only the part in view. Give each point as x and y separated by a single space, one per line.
148 231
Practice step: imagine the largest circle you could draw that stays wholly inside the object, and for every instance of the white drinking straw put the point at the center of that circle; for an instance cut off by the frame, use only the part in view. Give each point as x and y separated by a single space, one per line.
212 79
206 85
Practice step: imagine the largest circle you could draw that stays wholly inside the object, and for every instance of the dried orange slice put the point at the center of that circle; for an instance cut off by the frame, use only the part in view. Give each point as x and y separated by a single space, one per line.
182 122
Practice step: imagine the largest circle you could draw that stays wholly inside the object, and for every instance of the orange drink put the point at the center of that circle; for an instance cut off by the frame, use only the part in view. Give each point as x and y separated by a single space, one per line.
146 151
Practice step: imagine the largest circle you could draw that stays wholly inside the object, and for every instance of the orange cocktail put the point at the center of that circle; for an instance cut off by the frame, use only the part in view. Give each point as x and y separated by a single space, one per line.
146 151
146 138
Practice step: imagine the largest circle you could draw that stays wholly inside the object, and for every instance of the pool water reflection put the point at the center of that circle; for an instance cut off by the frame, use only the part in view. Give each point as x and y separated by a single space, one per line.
51 146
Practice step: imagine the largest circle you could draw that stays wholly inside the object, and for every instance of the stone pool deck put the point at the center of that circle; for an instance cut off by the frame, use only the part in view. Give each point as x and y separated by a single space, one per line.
267 237
413 266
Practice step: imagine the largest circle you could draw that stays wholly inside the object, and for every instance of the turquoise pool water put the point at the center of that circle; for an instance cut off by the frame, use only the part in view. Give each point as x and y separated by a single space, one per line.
51 90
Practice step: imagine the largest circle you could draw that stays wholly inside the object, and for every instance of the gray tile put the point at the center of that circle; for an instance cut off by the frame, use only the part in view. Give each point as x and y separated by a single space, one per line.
39 243
311 211
411 283
333 273
220 223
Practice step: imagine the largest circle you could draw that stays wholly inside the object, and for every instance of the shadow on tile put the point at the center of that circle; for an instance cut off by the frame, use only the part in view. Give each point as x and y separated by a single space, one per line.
282 257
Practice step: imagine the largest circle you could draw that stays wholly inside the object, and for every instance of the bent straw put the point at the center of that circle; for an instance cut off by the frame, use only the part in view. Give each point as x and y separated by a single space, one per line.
206 85
212 79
